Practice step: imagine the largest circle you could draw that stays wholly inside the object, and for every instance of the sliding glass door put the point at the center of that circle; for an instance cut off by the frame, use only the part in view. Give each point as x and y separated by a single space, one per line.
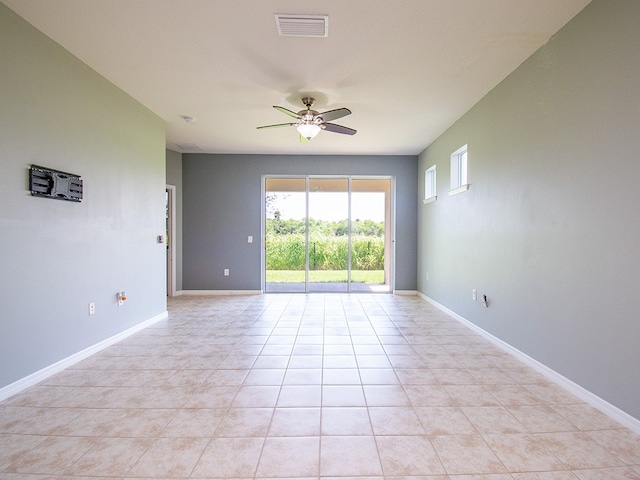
371 237
285 235
327 234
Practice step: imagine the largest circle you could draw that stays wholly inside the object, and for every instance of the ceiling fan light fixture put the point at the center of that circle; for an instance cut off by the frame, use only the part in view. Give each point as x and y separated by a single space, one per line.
309 122
308 130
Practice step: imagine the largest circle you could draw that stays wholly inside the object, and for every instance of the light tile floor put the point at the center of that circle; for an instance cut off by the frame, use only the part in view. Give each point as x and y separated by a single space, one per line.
308 387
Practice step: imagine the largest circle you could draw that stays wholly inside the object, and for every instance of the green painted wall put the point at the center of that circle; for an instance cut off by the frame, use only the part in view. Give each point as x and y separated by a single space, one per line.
549 229
58 256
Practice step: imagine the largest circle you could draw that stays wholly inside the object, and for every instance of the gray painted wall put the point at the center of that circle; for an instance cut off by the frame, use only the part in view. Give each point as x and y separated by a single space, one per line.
549 229
174 177
222 206
58 256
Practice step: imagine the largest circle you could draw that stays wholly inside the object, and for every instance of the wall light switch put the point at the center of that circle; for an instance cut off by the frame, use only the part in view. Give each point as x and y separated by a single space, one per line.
250 239
474 295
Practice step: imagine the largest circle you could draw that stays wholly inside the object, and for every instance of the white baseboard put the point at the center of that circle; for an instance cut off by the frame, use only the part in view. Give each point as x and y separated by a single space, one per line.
582 393
405 292
37 377
220 292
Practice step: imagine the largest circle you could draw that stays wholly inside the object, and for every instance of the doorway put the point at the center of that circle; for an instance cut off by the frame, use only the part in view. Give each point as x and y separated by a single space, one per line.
328 234
170 234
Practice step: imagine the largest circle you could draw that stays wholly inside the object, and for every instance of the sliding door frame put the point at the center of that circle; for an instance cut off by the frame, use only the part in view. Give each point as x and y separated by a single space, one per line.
390 224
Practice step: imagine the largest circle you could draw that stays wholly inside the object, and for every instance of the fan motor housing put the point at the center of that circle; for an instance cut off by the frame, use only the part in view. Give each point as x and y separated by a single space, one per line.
307 115
308 102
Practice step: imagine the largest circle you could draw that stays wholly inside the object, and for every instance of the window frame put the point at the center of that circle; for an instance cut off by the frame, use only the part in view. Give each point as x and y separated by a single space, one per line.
430 190
459 171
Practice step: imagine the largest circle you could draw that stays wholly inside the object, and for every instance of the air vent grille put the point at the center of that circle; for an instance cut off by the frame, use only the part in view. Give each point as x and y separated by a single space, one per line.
189 147
302 25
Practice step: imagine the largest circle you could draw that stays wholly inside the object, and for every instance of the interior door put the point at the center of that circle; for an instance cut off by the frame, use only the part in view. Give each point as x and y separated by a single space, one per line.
169 238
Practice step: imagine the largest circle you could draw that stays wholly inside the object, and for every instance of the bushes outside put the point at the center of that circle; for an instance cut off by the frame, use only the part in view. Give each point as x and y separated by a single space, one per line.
287 252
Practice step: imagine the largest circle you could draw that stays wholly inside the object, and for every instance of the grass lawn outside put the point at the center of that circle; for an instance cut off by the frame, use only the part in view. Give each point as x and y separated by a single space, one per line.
325 276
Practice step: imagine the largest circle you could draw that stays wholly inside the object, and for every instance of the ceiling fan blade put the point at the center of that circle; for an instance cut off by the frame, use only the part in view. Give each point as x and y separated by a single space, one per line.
332 127
303 139
278 125
286 111
334 114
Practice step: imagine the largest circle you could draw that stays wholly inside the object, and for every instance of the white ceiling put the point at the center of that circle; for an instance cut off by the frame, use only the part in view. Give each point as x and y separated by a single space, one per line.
407 69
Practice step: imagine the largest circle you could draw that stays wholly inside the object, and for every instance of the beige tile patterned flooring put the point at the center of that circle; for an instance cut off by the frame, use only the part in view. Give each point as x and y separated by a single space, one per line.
308 386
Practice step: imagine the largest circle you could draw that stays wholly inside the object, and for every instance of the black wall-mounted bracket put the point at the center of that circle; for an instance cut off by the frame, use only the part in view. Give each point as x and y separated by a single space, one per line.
49 183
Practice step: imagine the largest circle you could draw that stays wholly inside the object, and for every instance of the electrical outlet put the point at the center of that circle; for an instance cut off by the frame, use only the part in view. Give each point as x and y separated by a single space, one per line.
474 295
122 297
226 272
92 308
250 239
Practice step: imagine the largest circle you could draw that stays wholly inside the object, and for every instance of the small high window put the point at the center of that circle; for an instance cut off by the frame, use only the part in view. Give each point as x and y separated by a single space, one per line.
459 181
430 185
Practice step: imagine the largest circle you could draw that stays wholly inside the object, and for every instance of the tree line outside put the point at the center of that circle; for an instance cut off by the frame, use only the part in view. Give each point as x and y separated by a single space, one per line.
280 226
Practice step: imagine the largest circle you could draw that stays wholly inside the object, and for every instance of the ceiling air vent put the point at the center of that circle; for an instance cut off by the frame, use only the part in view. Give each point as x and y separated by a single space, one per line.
302 25
189 147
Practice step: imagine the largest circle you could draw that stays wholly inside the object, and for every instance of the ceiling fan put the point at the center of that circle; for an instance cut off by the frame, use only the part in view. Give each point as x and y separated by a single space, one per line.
309 122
